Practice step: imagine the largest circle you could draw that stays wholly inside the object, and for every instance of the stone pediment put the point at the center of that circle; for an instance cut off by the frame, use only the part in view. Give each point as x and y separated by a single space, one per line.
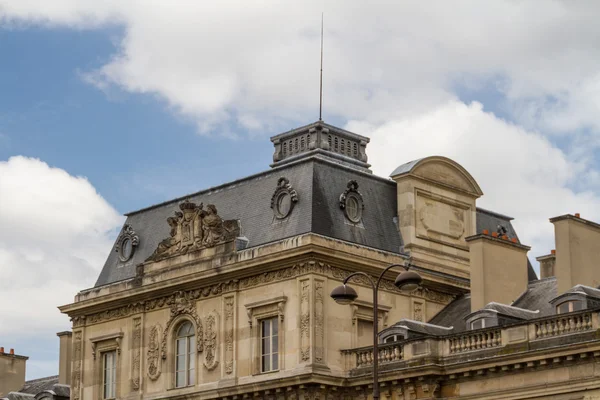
194 228
443 171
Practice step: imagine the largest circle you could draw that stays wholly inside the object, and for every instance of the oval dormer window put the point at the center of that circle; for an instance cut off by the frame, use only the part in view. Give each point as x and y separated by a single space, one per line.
569 306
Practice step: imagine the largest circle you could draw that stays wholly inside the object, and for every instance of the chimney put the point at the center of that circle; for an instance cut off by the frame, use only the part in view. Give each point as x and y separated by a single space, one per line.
498 270
12 372
64 357
547 264
577 252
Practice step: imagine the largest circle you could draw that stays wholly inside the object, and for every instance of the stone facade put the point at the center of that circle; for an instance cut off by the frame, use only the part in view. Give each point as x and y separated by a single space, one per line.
199 274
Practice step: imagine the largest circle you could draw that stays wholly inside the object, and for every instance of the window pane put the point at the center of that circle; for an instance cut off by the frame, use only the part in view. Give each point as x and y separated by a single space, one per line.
265 364
275 326
192 360
275 361
266 349
181 346
477 324
275 344
180 364
563 308
180 379
577 305
192 346
265 328
191 376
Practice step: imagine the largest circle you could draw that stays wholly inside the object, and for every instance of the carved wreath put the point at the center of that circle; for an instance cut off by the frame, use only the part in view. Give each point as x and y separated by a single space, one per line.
284 198
127 234
351 201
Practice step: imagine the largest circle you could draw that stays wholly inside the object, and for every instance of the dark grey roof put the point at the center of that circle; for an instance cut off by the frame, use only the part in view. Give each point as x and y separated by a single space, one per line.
453 315
511 311
490 220
319 184
538 296
406 167
35 386
420 327
589 291
17 396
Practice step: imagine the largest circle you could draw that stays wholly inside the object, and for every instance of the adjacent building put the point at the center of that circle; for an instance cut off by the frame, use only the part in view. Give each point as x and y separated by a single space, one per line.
225 293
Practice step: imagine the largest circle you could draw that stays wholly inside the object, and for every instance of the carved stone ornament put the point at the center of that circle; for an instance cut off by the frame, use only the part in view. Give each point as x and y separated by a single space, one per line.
153 353
284 198
194 228
351 201
182 303
126 243
211 340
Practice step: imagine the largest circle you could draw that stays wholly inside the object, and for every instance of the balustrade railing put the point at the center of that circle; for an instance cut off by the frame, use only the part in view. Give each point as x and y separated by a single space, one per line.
475 341
387 353
563 325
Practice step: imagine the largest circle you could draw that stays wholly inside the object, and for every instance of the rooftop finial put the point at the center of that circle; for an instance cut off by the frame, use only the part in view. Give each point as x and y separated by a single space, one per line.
321 78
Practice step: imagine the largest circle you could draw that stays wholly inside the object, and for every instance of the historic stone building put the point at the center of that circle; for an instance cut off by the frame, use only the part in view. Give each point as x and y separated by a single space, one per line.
225 293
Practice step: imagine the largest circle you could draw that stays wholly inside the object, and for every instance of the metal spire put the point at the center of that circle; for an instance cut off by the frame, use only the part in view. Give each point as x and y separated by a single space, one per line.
321 78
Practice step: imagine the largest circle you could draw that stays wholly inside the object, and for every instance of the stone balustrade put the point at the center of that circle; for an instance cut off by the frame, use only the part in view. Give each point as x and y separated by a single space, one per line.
471 343
563 325
475 341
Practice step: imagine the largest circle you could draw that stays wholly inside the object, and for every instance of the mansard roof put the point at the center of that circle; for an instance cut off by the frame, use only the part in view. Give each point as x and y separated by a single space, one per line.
319 179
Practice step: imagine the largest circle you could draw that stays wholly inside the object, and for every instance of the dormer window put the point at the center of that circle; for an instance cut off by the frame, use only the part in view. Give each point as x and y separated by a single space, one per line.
569 306
393 338
481 323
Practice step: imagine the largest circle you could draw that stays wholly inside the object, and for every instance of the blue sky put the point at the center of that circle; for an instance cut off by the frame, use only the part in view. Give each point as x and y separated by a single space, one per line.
109 107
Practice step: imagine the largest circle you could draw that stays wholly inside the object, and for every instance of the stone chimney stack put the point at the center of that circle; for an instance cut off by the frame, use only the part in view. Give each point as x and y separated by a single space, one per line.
498 269
547 264
64 357
12 371
577 252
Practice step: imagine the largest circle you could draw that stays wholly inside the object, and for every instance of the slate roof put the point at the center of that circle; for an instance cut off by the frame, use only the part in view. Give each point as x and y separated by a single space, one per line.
319 181
589 291
453 314
419 327
36 386
511 311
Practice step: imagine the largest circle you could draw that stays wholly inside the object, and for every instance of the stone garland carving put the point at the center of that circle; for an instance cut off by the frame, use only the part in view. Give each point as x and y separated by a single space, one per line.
182 303
418 311
305 320
76 374
194 228
126 234
260 279
319 322
136 345
153 353
229 302
284 198
211 340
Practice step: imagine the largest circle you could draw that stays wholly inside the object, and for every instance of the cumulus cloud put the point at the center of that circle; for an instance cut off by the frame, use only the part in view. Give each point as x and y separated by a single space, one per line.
256 64
521 173
55 233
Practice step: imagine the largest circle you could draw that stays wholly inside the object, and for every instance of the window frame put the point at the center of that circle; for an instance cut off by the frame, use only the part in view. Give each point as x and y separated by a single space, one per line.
483 320
102 345
190 354
571 306
273 353
113 369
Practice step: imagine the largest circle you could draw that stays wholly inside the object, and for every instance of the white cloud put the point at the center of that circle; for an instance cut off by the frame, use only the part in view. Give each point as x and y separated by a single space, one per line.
56 231
520 172
256 63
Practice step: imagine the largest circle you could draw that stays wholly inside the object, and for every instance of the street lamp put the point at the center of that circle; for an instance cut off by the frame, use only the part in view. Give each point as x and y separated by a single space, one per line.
407 281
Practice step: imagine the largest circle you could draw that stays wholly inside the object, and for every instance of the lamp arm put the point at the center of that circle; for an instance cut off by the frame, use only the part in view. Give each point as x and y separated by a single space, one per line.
363 274
406 267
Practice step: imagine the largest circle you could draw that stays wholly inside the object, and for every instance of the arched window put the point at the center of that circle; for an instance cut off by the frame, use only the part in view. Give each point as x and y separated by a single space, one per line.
185 358
569 306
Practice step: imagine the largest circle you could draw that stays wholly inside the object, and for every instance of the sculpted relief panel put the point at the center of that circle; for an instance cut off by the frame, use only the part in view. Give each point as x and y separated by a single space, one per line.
194 228
442 219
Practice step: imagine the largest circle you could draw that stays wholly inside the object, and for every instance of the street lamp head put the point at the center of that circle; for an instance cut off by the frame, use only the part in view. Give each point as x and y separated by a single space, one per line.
408 281
344 294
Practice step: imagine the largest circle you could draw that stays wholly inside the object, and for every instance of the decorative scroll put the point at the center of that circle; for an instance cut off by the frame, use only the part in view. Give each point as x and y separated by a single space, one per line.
305 320
77 373
351 201
136 344
127 242
182 303
229 302
211 340
153 353
284 198
319 322
195 228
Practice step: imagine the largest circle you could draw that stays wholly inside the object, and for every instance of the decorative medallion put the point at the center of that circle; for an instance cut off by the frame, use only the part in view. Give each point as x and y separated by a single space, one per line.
351 201
195 228
126 243
284 198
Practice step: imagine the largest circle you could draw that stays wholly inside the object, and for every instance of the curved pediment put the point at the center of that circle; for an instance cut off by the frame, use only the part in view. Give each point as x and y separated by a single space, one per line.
440 170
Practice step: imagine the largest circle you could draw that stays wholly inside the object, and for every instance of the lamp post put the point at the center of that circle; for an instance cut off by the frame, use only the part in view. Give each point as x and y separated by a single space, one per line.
406 281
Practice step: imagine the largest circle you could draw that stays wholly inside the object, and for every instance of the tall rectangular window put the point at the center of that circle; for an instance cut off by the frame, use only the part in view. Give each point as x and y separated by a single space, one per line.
269 348
109 374
185 359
